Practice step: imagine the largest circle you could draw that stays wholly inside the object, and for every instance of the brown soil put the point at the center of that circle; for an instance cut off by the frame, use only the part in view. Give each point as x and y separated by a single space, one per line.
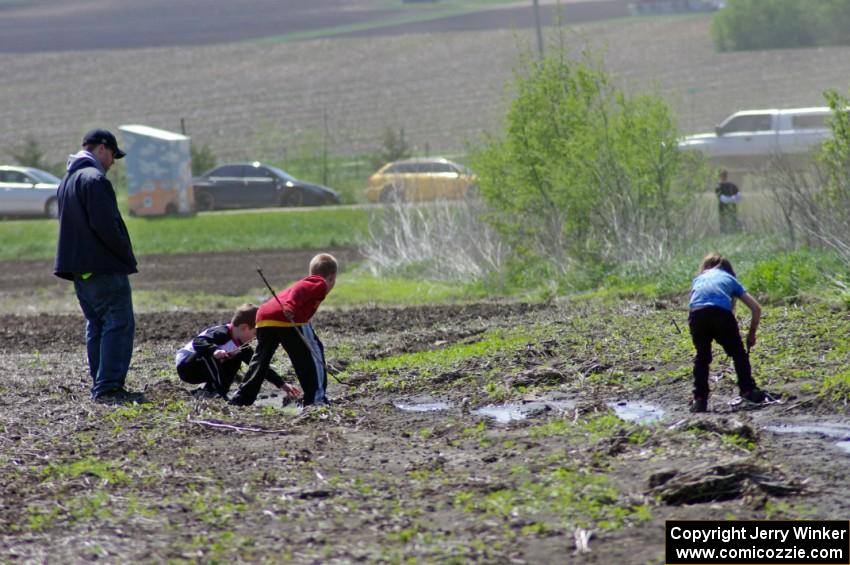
48 25
363 481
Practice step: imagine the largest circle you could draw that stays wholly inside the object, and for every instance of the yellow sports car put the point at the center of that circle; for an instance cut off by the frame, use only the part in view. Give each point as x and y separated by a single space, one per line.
420 179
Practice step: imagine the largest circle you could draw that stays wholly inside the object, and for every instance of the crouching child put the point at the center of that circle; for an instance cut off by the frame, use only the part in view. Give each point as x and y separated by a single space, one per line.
214 356
711 318
285 320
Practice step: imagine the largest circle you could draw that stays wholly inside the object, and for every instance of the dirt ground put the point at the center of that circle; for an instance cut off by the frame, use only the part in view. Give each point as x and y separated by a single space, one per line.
183 479
50 25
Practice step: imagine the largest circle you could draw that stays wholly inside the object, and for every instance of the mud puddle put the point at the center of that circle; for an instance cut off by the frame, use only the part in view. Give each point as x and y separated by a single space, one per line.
273 400
827 430
514 411
422 406
637 412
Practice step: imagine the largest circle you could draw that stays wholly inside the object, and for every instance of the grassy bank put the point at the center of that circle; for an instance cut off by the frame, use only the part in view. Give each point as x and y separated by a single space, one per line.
766 269
216 231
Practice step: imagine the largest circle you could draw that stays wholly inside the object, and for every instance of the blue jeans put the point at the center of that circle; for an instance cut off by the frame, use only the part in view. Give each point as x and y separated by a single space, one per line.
107 304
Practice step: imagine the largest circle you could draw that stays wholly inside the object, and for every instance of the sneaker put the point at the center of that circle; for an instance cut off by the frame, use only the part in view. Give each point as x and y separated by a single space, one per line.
239 401
699 405
119 396
758 396
754 396
204 392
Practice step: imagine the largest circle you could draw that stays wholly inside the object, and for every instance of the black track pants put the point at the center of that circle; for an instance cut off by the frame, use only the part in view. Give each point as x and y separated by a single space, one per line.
306 360
717 324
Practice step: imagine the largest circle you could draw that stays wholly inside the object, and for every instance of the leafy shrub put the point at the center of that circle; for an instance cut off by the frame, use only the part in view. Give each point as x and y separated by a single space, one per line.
30 154
782 277
203 159
773 24
815 201
584 174
393 147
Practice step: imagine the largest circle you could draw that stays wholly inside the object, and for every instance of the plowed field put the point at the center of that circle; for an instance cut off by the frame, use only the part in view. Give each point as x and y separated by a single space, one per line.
403 465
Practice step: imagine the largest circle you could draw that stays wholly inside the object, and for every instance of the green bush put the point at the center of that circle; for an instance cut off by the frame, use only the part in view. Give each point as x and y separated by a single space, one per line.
773 24
583 174
30 154
393 147
782 277
203 159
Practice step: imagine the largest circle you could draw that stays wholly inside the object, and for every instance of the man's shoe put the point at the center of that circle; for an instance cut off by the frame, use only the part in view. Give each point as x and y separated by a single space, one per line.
119 396
699 405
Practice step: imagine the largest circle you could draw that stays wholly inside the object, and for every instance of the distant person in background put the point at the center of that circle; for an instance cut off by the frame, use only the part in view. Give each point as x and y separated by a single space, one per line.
94 251
728 197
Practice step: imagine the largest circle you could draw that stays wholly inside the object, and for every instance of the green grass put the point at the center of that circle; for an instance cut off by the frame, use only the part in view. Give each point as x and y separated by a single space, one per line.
493 342
764 267
359 289
353 290
216 231
577 497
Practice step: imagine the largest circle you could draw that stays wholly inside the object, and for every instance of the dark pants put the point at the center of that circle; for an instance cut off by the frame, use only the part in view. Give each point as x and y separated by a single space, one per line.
720 325
216 375
305 352
107 304
728 217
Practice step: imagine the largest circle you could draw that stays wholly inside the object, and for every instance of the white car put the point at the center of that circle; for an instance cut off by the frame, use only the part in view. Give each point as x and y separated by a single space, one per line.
27 191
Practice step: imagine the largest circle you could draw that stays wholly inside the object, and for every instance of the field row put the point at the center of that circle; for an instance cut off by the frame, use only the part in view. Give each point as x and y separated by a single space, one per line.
262 101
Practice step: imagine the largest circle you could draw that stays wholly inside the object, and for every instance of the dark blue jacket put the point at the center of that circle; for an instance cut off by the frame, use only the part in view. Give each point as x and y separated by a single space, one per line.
92 235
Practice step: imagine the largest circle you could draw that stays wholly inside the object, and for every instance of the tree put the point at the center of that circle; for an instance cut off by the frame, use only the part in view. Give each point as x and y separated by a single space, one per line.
393 147
583 172
30 154
203 159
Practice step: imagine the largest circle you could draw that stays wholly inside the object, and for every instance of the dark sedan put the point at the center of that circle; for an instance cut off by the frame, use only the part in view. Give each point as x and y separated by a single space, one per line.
254 185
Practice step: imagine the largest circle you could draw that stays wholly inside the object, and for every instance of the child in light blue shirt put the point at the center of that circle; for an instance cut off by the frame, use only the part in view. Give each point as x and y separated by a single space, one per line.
711 318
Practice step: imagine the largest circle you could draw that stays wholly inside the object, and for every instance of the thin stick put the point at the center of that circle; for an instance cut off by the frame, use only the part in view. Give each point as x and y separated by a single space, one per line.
234 428
675 325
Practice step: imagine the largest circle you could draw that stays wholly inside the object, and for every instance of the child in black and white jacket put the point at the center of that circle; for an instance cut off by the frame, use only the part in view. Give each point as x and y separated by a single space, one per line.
214 356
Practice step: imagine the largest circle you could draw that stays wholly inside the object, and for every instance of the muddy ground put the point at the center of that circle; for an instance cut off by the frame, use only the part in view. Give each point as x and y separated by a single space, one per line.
183 479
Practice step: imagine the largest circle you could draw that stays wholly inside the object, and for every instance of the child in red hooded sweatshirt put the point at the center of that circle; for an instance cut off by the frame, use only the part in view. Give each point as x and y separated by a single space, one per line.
290 327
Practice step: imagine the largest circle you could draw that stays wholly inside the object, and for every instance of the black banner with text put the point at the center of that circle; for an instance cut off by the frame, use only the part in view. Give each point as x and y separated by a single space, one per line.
758 542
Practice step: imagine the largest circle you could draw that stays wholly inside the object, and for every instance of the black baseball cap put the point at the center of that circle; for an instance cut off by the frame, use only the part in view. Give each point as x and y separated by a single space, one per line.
105 137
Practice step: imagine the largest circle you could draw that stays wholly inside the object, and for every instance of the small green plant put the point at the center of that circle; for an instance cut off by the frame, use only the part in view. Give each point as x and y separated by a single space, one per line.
739 441
203 159
837 387
108 471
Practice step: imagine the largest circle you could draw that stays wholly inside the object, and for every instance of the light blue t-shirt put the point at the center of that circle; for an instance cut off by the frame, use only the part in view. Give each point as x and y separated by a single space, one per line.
714 287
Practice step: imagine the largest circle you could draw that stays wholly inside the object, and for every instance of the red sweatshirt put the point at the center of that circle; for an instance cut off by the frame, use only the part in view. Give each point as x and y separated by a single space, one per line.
302 299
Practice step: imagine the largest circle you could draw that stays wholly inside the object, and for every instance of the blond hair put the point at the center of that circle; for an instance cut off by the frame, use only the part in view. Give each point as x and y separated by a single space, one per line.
324 265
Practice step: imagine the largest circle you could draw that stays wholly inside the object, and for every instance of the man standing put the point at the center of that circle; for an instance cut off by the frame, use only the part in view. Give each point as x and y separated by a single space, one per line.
94 251
728 197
